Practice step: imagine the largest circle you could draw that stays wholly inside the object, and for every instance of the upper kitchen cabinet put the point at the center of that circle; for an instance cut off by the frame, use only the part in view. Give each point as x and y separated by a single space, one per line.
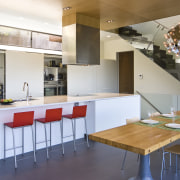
46 41
15 37
30 41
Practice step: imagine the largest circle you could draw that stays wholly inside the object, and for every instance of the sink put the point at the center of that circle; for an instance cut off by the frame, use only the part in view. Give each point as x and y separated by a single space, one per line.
24 99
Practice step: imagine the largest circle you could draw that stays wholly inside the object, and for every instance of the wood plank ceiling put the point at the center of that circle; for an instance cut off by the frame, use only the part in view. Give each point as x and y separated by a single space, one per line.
123 12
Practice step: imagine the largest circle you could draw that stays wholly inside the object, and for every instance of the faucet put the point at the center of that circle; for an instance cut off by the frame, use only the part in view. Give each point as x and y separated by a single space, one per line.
27 90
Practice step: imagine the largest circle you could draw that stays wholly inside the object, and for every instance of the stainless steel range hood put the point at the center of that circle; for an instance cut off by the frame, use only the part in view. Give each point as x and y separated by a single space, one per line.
81 40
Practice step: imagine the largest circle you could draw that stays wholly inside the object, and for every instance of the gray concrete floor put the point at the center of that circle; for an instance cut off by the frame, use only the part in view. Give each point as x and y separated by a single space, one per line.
99 162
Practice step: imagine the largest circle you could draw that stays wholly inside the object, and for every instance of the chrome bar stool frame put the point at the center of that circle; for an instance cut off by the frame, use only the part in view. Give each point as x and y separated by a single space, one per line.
73 121
46 140
14 144
45 132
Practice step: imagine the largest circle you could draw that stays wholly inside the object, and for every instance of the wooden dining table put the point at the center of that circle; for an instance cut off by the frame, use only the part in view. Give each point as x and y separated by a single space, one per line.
142 139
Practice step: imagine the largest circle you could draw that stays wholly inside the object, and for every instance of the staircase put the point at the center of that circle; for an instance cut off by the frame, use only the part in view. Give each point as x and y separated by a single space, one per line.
159 56
164 60
131 35
128 32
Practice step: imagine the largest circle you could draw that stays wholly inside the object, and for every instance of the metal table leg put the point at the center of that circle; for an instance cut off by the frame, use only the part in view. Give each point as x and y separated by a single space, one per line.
144 169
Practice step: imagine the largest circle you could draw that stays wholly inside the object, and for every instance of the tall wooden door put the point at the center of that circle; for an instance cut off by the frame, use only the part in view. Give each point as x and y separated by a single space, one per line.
126 72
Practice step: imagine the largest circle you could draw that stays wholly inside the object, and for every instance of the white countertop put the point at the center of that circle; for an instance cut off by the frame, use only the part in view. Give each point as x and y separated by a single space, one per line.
47 100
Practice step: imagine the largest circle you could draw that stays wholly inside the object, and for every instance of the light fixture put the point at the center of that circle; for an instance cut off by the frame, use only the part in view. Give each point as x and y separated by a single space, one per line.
21 18
67 8
172 43
109 21
108 36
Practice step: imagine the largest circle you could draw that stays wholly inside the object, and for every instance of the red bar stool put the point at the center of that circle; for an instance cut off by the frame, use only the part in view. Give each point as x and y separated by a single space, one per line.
78 112
20 120
52 115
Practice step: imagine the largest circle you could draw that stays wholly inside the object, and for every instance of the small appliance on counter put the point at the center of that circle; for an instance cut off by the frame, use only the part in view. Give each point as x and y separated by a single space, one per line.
52 64
51 77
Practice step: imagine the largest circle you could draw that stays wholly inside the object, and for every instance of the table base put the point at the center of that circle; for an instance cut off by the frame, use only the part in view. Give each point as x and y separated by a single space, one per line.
144 172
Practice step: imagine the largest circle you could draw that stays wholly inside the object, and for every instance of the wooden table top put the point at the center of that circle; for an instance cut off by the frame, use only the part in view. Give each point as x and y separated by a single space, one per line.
136 138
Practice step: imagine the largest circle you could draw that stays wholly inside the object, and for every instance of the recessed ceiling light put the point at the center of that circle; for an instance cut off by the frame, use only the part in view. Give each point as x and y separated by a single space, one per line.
67 8
109 21
108 36
21 18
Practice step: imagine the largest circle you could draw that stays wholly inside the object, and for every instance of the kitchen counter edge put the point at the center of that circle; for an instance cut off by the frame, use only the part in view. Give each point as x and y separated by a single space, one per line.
51 100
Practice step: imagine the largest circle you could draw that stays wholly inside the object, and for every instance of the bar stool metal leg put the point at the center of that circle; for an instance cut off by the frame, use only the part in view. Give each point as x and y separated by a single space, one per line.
163 162
61 129
86 132
33 144
75 133
4 142
14 147
176 163
162 166
122 168
50 133
73 130
46 141
35 136
23 141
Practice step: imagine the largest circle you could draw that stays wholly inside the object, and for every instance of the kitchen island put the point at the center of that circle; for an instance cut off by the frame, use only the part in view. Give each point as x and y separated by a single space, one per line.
105 110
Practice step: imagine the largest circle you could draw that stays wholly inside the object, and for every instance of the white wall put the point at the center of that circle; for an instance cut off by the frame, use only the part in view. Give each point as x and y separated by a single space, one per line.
92 79
107 76
81 79
24 67
155 79
114 112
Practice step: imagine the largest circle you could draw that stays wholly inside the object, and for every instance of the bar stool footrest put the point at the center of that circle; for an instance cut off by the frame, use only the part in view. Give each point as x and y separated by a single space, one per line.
13 148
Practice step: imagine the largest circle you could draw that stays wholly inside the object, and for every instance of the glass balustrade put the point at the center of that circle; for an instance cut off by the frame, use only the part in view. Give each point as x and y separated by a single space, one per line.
162 103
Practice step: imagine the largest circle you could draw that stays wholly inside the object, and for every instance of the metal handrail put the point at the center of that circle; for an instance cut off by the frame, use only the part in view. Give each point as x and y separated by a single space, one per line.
149 102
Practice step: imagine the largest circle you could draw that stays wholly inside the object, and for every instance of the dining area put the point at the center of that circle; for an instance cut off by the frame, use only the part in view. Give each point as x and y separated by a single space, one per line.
103 160
143 137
